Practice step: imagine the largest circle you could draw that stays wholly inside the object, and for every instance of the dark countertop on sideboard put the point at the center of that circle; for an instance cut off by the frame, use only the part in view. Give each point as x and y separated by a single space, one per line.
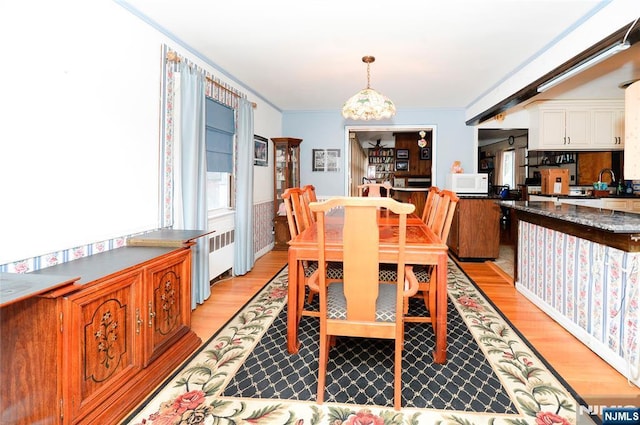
69 276
105 263
598 218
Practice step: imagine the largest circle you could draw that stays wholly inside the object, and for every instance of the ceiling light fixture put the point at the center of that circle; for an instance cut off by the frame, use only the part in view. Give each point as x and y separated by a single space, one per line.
589 62
367 103
584 65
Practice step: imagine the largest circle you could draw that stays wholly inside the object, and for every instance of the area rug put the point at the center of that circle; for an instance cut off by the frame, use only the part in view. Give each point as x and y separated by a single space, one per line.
244 375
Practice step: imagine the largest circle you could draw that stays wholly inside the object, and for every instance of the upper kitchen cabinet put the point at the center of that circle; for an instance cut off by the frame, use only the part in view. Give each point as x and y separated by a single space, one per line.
559 126
608 126
576 125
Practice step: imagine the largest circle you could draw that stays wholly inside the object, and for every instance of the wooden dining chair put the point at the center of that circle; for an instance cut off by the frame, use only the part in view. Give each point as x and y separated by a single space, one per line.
298 221
360 305
446 204
430 204
374 189
308 196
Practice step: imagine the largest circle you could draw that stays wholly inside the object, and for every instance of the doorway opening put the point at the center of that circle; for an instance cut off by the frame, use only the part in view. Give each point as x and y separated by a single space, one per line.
360 139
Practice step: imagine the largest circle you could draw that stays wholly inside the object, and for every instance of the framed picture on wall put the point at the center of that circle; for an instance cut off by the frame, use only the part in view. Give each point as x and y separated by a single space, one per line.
402 165
260 151
326 159
402 153
425 153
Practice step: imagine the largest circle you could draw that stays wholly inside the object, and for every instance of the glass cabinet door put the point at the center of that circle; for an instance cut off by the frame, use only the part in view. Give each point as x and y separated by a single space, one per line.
286 167
294 152
286 174
281 171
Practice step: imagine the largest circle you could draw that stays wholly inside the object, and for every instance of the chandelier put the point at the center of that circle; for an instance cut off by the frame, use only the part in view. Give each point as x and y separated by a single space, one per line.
367 103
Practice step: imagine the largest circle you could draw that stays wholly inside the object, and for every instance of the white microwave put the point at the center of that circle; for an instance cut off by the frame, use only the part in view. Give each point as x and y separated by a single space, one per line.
462 183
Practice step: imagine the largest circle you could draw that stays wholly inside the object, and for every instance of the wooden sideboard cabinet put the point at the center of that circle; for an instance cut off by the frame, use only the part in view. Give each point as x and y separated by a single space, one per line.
475 229
90 351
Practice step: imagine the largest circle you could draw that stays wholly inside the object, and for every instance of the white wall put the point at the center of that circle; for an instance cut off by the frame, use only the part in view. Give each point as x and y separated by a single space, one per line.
79 150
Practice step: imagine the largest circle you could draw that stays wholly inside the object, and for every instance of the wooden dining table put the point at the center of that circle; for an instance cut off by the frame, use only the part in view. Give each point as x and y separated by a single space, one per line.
422 247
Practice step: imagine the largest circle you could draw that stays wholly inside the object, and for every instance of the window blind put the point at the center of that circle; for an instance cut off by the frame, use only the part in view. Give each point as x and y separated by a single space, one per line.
219 131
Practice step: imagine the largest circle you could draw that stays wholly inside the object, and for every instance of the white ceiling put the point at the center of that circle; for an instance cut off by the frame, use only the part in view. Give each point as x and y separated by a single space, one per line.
306 55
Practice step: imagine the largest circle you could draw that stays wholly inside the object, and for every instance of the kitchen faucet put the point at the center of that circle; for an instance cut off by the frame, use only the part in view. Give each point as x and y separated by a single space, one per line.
613 176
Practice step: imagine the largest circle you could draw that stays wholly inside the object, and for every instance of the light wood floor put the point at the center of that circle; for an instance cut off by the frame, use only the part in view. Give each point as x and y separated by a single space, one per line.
587 373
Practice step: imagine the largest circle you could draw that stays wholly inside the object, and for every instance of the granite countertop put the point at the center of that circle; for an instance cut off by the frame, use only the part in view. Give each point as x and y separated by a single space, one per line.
622 196
470 196
599 218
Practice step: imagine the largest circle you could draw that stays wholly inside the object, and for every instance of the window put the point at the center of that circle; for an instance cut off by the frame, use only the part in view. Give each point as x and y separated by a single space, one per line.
218 190
508 168
219 135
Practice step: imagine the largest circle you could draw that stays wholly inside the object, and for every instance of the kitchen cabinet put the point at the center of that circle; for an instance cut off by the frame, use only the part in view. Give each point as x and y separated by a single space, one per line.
554 127
543 198
475 229
617 204
590 202
286 174
608 127
622 204
576 125
89 352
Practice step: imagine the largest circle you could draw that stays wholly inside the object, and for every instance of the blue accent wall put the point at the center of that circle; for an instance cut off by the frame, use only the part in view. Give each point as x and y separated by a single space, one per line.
326 130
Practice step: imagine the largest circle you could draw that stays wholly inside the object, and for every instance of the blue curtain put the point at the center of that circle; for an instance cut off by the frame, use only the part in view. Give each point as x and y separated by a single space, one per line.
244 257
193 172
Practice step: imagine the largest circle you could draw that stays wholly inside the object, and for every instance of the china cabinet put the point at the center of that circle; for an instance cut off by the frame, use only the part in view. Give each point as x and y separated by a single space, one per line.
286 174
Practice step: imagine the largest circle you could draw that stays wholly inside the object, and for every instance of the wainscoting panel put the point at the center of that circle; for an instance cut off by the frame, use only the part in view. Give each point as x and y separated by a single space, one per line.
262 228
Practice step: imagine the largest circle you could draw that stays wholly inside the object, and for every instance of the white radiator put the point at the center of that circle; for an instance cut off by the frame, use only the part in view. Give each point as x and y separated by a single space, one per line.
221 244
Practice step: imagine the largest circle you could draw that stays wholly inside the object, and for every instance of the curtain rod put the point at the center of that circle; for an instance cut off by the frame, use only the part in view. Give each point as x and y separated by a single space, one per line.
173 57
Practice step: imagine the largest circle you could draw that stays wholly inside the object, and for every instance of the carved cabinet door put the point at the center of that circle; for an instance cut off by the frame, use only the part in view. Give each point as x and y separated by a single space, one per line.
167 303
101 330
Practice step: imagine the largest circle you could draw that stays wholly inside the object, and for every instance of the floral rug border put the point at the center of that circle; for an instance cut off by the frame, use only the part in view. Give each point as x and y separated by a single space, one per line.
193 396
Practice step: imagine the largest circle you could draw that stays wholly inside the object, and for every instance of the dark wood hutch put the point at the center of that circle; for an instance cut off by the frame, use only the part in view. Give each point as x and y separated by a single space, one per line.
286 174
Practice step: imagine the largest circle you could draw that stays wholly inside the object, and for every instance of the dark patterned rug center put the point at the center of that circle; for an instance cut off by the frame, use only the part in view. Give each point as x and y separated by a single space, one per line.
360 370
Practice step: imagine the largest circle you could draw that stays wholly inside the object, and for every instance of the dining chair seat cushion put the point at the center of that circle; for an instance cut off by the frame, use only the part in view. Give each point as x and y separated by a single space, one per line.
389 273
385 304
334 270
